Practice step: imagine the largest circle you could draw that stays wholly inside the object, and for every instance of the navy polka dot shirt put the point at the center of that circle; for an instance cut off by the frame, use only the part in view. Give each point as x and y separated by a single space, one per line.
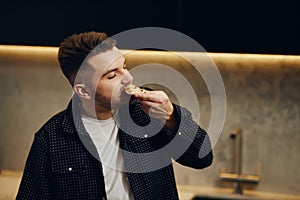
63 162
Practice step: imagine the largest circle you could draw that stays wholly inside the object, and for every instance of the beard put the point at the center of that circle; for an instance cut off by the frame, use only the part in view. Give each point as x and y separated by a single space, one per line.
103 102
110 103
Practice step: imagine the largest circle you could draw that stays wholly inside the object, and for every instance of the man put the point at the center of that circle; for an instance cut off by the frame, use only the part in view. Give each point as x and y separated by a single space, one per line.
108 144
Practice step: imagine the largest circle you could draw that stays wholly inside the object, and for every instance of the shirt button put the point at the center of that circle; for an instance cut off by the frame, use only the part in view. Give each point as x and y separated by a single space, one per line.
179 133
145 135
70 169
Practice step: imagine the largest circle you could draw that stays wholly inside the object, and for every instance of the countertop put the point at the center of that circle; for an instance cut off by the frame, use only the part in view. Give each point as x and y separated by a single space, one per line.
9 183
187 192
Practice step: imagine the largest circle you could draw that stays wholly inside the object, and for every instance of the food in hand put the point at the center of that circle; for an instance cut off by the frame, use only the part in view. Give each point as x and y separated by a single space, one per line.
134 89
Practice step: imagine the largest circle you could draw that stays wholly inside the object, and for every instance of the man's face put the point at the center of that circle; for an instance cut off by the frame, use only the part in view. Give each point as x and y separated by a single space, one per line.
110 78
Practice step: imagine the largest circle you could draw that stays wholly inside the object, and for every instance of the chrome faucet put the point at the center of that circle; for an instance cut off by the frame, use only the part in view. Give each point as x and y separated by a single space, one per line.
237 177
236 135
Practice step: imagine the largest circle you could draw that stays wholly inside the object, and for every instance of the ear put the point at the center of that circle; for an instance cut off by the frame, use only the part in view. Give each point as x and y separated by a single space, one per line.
82 91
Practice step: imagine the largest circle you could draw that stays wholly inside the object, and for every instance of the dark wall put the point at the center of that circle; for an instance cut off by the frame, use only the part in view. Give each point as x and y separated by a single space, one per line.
247 27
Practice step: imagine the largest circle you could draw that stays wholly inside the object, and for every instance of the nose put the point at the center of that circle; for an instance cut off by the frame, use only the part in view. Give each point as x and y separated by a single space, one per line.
127 78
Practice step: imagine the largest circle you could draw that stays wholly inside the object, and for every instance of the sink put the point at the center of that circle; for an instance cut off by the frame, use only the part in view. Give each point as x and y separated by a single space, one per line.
224 197
189 192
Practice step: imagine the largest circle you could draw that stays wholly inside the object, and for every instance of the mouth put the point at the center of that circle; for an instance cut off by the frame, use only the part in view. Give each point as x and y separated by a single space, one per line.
123 90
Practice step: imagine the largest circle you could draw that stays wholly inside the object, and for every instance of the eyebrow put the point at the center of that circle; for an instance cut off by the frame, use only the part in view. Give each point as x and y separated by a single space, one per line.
112 70
109 71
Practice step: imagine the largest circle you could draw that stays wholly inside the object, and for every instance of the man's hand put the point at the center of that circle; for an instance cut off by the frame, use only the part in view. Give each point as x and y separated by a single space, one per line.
157 105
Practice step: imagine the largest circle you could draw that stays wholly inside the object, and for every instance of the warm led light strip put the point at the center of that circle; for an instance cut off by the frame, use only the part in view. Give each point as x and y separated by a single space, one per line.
46 49
28 48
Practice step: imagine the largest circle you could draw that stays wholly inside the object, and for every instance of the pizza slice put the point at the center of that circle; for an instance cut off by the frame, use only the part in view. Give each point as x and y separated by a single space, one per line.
134 89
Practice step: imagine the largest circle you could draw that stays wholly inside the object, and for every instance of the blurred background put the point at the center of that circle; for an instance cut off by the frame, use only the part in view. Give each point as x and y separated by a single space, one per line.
262 90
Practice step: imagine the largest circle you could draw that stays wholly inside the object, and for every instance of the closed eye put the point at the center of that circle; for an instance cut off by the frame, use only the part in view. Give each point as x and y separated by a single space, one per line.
112 76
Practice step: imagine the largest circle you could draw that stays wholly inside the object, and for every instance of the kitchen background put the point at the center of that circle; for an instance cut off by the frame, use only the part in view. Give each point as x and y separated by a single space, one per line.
261 77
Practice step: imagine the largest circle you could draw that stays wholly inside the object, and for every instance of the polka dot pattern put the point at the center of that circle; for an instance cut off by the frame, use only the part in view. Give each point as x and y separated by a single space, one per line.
59 166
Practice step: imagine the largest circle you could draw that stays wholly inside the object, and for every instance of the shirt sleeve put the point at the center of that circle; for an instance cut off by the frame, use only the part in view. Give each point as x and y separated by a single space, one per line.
35 180
191 144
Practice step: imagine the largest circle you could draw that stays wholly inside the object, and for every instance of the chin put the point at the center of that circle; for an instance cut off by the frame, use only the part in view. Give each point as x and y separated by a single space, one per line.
124 98
119 101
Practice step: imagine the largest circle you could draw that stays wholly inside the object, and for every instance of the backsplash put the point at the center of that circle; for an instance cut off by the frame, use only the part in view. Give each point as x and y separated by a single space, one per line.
263 99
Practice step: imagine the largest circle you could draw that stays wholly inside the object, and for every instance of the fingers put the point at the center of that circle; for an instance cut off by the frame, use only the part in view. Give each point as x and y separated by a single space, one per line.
154 109
153 96
156 104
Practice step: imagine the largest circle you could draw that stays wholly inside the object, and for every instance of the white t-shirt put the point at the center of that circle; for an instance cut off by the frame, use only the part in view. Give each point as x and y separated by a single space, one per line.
104 134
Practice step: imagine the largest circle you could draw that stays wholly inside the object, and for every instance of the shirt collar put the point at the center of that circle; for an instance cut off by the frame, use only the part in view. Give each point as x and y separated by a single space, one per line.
72 122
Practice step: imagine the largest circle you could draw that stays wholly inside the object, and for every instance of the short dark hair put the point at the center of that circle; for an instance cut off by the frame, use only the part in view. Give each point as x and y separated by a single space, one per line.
75 48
